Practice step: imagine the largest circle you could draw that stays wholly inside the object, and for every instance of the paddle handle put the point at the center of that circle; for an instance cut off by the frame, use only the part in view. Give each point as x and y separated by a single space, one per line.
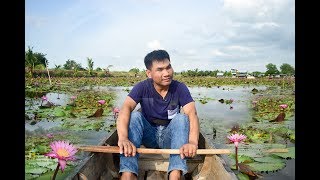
116 149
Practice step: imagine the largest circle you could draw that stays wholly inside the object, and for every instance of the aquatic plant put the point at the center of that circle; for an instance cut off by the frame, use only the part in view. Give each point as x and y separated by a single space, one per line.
101 102
115 111
63 151
43 98
236 139
73 101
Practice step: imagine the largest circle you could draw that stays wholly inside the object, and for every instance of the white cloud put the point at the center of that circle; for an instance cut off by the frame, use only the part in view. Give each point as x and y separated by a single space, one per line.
217 52
154 45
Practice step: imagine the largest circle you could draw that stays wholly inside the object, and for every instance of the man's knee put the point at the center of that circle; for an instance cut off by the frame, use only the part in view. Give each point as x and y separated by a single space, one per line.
180 119
128 175
135 118
136 115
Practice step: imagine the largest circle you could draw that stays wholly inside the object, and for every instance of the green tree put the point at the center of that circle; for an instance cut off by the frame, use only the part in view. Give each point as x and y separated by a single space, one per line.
134 70
272 69
287 69
72 64
30 60
90 65
107 70
256 73
57 67
41 59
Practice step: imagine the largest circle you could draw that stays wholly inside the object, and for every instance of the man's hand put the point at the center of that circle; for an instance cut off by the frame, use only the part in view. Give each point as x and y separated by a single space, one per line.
188 150
127 147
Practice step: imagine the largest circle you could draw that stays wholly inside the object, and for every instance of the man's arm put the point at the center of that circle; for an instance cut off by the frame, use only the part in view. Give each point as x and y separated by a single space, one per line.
190 149
125 145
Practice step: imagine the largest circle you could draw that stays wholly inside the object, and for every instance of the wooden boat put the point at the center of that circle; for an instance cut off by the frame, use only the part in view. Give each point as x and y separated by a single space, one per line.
100 165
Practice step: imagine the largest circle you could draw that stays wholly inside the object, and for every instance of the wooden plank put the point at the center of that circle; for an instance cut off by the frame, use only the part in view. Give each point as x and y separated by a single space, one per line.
116 149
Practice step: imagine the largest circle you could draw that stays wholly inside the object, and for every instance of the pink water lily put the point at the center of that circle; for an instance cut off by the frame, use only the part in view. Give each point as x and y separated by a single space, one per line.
73 97
44 98
115 111
63 151
50 135
102 102
283 106
254 103
236 138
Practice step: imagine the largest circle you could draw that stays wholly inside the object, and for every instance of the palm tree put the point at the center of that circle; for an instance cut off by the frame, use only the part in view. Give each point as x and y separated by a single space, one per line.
107 70
30 61
90 65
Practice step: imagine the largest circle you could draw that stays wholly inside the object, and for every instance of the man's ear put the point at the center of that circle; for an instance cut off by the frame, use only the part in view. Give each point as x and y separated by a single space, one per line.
148 73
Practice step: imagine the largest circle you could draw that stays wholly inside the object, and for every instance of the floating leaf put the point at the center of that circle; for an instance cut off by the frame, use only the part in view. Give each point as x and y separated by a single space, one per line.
244 168
59 112
268 159
35 170
242 176
265 167
289 154
241 159
42 149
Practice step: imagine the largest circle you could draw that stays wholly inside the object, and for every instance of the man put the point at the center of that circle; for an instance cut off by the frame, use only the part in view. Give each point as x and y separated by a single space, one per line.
159 124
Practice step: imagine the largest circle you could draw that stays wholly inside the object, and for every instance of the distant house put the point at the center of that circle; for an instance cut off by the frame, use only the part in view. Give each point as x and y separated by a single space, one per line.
234 72
219 74
242 74
250 77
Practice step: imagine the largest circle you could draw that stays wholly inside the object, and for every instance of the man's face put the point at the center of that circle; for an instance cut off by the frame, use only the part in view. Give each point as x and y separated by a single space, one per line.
161 72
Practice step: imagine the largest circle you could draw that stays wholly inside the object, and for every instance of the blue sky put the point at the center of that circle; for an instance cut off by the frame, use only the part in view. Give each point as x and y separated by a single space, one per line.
207 34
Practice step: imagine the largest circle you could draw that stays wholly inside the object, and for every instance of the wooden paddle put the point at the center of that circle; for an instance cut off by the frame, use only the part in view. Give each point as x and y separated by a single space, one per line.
115 149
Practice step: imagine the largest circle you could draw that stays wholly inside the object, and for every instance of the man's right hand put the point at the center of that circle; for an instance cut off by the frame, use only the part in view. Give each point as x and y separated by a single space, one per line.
127 148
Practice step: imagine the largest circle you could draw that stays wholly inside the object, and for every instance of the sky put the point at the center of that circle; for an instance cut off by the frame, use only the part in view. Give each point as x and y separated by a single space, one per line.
205 35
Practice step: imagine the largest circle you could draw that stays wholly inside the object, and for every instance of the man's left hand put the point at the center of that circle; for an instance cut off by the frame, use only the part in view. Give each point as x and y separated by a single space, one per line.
188 150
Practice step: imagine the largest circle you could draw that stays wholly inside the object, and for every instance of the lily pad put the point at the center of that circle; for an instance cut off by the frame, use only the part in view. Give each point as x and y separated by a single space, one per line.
289 154
35 170
267 166
59 112
242 176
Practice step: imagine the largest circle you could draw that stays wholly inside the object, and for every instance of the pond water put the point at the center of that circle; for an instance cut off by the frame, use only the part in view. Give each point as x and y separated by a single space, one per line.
215 117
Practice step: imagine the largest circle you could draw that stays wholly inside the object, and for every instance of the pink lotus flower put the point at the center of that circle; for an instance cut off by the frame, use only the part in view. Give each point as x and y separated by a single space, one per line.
63 151
102 102
254 103
236 138
50 135
44 98
115 111
283 106
73 97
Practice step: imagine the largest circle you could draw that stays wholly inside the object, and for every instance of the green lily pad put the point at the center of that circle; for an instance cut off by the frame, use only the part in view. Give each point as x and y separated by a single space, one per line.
242 176
269 159
267 166
35 170
59 112
289 154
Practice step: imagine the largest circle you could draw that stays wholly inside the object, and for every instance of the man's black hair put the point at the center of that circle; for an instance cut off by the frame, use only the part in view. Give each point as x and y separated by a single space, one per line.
156 55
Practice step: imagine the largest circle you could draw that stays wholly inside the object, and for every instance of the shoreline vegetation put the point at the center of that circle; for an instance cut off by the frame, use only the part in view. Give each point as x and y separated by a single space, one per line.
128 80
